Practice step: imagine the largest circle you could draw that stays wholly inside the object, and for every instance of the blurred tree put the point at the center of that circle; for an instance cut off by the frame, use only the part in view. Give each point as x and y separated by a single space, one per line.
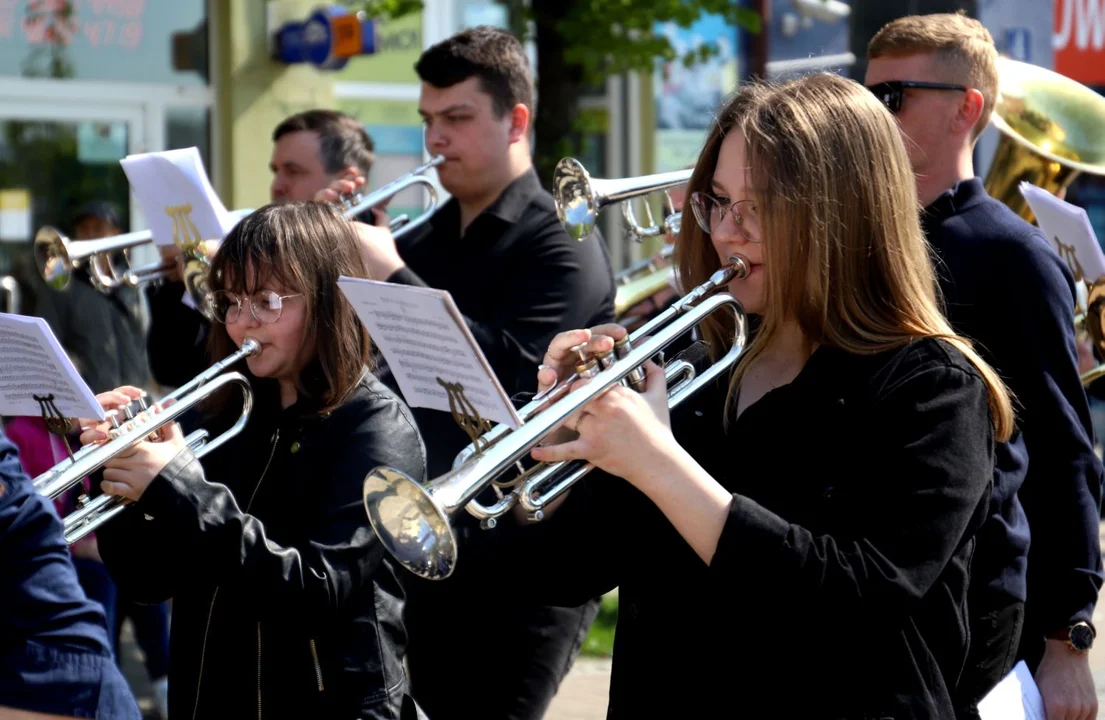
581 42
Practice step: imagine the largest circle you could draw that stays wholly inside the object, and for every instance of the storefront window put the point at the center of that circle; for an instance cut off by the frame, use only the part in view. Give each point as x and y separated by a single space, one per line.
111 40
186 127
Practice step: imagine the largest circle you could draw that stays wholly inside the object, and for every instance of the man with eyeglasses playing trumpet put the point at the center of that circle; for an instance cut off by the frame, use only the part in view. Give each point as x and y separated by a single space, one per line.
1007 289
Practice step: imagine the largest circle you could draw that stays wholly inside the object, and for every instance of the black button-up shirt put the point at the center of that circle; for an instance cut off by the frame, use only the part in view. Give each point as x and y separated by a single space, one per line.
518 279
1008 290
857 488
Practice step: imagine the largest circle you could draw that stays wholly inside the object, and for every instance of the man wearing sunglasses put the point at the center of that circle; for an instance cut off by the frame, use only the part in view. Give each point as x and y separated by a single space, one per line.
1006 288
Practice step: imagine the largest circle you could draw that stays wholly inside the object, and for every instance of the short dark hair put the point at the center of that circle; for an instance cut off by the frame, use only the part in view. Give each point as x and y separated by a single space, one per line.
495 56
342 140
306 247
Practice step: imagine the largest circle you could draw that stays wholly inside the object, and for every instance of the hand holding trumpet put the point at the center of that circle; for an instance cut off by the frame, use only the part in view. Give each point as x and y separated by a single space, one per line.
621 431
129 473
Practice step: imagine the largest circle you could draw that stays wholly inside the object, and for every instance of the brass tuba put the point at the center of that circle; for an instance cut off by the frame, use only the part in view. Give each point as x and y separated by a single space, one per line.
1052 128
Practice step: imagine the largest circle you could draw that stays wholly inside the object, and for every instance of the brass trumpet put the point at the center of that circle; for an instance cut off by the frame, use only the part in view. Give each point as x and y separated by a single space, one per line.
413 520
91 514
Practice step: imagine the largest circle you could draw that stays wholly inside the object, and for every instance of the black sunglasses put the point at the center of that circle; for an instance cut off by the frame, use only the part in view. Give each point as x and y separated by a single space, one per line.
890 93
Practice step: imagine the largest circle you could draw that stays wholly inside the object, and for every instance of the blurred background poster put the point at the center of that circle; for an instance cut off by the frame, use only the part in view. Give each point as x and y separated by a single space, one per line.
686 97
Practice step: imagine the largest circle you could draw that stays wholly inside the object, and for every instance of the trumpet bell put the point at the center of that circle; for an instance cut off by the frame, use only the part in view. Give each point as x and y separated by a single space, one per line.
410 523
577 203
1052 128
51 251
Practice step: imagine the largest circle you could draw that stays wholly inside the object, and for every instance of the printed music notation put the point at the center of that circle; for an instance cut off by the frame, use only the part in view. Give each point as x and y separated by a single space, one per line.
424 339
1068 228
33 364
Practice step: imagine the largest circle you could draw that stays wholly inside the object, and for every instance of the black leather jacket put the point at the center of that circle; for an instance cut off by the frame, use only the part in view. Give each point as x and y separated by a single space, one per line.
284 604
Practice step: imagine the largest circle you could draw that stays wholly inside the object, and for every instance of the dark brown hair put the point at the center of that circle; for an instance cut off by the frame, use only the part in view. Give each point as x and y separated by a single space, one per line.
304 247
495 56
342 140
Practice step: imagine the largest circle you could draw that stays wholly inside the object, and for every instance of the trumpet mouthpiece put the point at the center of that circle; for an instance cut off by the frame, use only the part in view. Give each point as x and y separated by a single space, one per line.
251 347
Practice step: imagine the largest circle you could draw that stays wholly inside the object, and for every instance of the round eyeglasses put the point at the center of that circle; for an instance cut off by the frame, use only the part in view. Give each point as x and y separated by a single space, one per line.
710 211
265 306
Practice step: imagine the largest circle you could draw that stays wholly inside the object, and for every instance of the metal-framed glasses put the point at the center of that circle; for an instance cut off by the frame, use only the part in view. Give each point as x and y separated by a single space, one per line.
265 306
710 211
891 92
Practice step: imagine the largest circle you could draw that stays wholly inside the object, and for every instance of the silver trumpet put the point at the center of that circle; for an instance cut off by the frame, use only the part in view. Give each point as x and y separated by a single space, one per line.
413 520
56 256
137 426
579 197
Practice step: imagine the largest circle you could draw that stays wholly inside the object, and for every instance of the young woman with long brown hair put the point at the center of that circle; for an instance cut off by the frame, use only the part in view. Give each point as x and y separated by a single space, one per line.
282 604
794 541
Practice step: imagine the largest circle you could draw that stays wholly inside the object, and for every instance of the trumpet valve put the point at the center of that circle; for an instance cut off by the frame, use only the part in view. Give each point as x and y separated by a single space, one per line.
636 376
586 367
113 417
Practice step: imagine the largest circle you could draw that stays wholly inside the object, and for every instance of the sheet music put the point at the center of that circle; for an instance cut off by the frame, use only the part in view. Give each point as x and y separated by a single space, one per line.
424 337
32 362
1016 697
1068 228
176 196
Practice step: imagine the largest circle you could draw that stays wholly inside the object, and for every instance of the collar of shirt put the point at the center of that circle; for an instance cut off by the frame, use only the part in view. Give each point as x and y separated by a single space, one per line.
955 199
507 208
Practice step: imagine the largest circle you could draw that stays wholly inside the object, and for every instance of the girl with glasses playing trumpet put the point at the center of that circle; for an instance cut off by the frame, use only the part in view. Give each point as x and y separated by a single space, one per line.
795 540
282 605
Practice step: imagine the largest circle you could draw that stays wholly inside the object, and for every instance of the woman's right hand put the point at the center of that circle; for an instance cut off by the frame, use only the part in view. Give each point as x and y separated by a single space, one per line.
94 430
560 361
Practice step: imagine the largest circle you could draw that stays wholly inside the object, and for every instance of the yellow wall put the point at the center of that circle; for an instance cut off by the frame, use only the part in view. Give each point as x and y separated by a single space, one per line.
254 93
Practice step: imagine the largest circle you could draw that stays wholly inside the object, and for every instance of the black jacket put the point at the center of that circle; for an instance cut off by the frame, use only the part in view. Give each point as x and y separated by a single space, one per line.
841 570
283 602
1008 290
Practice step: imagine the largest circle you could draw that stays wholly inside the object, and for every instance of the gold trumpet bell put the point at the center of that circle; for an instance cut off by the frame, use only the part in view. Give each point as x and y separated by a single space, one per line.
1052 128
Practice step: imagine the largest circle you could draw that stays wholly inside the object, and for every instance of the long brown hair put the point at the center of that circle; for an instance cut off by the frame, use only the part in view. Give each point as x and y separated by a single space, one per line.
305 247
844 253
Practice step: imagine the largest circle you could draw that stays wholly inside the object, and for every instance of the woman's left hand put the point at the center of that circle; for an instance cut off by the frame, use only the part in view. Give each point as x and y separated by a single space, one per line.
621 431
130 472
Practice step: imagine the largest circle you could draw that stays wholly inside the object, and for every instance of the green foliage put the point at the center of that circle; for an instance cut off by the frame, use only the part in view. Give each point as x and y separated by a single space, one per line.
600 638
604 37
609 37
386 9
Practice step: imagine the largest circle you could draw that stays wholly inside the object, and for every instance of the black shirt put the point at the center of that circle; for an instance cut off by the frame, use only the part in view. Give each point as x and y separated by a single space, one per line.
857 491
1008 290
518 279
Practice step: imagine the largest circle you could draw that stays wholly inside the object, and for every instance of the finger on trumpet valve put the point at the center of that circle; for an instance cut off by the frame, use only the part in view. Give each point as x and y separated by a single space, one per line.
586 367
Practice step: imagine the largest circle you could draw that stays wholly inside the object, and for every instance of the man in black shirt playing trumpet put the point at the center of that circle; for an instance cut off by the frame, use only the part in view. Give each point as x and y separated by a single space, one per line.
518 278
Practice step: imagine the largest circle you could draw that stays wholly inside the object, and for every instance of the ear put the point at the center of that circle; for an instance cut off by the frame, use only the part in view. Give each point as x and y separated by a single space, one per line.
970 110
519 122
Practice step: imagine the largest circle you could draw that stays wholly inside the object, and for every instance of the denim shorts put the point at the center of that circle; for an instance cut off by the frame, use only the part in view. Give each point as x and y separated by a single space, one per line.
68 682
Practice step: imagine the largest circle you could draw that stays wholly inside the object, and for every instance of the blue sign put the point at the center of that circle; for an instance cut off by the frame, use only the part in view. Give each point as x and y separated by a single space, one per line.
327 39
1017 43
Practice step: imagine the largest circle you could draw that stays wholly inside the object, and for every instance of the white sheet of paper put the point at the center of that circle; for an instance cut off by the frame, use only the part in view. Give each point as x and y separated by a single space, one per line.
173 178
1016 697
423 337
1069 230
32 362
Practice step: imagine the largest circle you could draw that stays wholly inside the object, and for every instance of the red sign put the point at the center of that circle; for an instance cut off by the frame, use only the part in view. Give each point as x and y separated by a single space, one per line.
1079 40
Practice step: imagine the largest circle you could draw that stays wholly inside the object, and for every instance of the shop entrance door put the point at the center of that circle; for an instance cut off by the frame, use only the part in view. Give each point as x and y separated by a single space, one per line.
54 159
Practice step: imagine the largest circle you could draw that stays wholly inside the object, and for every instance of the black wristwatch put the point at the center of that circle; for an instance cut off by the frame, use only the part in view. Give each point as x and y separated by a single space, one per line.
1079 637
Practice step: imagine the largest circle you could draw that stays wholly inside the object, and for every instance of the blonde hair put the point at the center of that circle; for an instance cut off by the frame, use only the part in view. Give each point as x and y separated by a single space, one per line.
844 253
962 46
